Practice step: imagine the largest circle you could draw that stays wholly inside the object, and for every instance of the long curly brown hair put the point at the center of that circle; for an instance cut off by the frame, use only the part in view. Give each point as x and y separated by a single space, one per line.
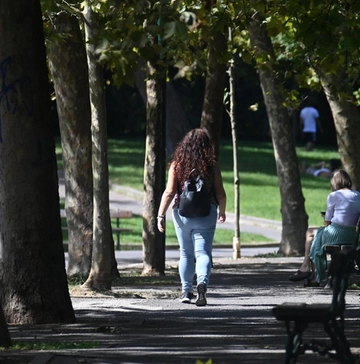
195 151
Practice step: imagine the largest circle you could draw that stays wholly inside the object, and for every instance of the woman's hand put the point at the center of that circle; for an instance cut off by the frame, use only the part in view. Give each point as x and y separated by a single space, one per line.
222 217
161 224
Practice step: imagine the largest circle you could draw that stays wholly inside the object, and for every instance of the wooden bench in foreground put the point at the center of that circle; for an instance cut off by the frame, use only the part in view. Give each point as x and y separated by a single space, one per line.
298 316
115 214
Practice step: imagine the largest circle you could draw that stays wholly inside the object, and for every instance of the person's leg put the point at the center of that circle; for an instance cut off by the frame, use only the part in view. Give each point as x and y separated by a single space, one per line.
309 145
187 256
310 140
203 235
306 264
318 259
203 247
305 269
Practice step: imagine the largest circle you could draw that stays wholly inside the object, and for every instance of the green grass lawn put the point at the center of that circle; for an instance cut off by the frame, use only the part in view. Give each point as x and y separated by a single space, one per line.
259 188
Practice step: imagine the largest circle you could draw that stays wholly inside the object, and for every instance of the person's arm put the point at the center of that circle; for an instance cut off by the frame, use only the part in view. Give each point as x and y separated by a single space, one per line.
220 193
316 116
330 207
319 125
166 198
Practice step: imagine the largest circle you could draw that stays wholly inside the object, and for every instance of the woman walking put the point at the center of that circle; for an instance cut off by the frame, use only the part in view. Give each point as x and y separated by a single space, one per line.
193 157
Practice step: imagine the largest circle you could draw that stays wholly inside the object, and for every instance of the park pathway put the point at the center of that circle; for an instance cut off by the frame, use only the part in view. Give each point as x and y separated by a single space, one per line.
142 321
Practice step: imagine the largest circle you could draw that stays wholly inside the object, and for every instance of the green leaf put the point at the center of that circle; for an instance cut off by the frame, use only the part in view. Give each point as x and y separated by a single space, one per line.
175 28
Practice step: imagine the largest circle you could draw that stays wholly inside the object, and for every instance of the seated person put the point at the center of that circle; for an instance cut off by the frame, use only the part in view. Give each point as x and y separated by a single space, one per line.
342 211
320 169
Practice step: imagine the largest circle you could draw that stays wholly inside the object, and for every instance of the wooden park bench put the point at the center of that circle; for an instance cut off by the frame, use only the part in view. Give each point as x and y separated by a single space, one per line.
115 214
298 316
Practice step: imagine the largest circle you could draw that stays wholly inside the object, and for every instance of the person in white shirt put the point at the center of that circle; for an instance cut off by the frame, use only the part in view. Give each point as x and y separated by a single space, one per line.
309 123
341 215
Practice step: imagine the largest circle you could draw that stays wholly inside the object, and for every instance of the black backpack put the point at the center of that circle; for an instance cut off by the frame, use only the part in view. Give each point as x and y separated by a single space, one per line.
194 200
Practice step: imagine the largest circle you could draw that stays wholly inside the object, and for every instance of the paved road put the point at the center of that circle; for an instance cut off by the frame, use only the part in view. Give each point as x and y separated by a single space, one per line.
126 198
135 256
129 199
128 257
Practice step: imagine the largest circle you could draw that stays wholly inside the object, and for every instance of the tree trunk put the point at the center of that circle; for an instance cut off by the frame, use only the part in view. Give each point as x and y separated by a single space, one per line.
177 123
347 124
5 340
232 116
33 279
67 62
100 273
294 217
154 173
212 113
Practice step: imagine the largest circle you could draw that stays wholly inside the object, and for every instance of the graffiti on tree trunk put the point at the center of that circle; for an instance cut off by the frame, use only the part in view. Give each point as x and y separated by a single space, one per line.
11 93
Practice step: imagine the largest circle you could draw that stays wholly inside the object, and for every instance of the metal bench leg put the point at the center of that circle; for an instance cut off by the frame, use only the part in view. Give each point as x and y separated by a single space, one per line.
293 345
335 330
329 282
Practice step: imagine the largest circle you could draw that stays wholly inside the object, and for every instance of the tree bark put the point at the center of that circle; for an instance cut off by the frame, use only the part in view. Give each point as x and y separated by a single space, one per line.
69 71
177 123
212 113
232 116
32 271
154 172
347 124
294 217
5 340
103 245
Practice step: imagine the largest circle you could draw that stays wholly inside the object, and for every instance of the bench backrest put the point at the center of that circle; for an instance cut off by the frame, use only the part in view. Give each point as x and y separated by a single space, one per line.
114 214
341 266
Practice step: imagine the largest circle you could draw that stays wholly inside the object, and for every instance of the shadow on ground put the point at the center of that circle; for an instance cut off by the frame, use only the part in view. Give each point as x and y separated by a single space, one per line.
236 326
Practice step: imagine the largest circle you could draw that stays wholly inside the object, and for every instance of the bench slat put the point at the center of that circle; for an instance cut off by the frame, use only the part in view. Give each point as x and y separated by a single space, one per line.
120 214
114 214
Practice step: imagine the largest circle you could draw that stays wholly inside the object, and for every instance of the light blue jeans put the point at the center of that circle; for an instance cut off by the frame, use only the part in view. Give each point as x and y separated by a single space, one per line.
195 236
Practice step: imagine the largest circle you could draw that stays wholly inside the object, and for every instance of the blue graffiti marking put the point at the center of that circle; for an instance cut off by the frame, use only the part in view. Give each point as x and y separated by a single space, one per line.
10 93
